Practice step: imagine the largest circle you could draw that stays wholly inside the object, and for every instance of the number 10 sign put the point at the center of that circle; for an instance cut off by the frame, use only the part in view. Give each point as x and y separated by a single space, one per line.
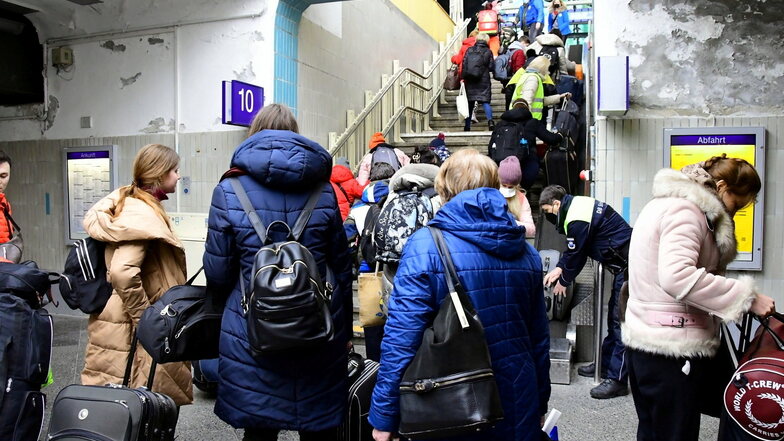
241 102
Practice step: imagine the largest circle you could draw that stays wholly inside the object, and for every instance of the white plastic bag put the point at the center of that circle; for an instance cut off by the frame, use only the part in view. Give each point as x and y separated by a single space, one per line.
462 102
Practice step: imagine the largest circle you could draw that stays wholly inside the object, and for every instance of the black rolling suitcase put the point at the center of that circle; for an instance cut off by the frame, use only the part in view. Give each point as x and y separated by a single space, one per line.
113 412
362 375
560 167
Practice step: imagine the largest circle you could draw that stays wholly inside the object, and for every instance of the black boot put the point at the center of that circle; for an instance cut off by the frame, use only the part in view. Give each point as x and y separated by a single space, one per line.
587 371
609 388
491 125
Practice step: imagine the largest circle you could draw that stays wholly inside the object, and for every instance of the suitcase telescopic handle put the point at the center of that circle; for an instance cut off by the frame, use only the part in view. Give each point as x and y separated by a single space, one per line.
129 365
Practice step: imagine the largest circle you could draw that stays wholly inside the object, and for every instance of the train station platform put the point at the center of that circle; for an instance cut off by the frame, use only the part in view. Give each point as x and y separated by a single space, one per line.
584 418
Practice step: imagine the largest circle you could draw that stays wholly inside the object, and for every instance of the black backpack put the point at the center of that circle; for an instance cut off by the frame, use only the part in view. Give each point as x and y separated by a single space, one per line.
383 153
551 52
566 124
505 141
367 248
84 285
472 64
287 303
26 281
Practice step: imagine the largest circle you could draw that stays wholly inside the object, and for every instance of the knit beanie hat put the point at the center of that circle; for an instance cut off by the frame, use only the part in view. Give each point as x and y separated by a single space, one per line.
438 141
509 171
376 139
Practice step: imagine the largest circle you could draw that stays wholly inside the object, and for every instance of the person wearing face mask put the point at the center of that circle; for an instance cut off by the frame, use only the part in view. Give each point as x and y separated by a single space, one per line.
558 19
593 229
683 240
510 174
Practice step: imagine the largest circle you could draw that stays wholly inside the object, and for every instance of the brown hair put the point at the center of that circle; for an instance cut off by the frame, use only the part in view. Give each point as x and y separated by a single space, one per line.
741 177
150 167
273 117
474 33
465 170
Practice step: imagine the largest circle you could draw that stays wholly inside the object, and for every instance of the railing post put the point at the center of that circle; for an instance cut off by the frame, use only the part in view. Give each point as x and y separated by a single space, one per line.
333 140
351 116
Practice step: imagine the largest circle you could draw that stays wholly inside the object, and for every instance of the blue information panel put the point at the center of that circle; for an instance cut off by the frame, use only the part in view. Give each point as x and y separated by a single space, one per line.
241 102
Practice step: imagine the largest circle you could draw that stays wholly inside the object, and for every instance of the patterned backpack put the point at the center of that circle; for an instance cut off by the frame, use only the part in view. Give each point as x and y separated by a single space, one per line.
398 220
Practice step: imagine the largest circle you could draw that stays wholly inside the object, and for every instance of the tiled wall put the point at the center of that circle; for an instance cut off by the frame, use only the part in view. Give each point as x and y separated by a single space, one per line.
286 47
630 152
38 171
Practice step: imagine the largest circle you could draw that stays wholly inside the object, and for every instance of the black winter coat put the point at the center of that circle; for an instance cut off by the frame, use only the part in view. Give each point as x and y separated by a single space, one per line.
479 90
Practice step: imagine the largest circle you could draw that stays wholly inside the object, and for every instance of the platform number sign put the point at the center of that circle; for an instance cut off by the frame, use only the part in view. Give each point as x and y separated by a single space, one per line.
241 102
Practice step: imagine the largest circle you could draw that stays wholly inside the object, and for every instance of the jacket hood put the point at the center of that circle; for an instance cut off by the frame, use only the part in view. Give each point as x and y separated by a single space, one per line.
413 175
669 183
136 221
516 45
341 174
516 115
481 43
549 40
282 159
375 192
470 41
481 217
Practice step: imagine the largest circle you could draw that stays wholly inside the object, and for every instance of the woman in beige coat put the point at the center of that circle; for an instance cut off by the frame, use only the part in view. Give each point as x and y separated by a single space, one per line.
143 259
682 242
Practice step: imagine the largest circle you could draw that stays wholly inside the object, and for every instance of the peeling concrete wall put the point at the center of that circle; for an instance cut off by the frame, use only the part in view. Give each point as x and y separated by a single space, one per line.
720 57
129 81
342 54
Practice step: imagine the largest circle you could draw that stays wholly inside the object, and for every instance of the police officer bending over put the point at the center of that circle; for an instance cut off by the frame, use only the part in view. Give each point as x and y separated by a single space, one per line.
593 229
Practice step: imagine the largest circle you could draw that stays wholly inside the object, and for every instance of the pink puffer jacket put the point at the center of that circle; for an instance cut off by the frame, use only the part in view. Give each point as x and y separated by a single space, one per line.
682 241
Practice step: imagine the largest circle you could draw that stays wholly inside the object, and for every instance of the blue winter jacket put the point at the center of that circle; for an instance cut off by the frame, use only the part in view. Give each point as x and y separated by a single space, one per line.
607 231
534 14
564 24
305 390
503 276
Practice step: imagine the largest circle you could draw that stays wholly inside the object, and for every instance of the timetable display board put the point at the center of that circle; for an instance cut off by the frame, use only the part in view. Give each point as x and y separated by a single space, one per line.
90 174
688 146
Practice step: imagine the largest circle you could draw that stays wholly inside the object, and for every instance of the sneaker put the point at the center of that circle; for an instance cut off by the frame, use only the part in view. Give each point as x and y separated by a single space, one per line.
587 371
609 388
491 125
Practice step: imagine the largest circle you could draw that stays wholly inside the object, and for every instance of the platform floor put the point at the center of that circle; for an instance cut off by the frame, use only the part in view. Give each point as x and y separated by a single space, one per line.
584 418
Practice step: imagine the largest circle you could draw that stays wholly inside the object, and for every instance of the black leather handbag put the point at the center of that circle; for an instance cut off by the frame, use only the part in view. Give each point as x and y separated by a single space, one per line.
449 388
183 325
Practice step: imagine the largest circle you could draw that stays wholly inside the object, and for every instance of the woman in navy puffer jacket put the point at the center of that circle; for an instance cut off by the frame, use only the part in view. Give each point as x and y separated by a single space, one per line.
503 276
305 390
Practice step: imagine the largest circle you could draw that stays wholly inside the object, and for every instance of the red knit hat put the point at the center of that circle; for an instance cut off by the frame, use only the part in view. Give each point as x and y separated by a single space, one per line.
376 139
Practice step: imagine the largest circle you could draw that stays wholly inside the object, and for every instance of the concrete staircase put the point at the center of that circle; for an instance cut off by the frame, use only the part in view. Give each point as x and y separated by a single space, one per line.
450 123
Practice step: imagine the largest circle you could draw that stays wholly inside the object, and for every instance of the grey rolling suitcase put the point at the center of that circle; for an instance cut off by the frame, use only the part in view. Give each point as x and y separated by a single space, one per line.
557 306
113 412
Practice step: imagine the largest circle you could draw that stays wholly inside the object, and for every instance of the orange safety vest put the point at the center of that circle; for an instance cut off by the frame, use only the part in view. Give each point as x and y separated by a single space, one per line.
488 21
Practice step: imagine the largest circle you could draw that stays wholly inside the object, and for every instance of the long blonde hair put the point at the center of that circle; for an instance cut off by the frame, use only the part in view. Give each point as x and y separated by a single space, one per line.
515 207
150 167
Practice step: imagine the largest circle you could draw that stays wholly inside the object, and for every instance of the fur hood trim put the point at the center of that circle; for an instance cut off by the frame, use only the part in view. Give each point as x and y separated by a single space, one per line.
705 346
669 183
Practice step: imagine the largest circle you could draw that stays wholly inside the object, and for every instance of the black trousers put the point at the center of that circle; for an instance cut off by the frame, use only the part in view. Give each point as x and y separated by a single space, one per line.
669 403
272 435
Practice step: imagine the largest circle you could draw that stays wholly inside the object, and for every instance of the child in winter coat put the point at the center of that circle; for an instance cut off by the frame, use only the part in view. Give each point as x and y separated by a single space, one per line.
347 189
510 174
438 145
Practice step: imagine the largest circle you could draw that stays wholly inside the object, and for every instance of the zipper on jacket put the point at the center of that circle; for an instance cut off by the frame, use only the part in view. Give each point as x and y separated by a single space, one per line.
8 387
290 270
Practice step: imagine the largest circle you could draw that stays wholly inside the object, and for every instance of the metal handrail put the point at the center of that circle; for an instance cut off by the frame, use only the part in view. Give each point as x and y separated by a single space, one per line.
407 99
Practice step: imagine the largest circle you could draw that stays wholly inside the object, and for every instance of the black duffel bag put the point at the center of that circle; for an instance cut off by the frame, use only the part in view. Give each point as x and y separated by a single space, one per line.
26 281
449 388
183 325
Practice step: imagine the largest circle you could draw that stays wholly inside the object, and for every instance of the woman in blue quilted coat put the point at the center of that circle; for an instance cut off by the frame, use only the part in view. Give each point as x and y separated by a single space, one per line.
304 390
503 276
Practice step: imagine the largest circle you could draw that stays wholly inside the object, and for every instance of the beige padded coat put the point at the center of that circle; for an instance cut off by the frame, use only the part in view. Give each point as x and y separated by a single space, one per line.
143 259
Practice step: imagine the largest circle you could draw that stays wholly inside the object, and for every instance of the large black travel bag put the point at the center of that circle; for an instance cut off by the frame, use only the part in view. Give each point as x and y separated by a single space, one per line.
25 356
362 373
560 166
182 325
113 412
26 281
570 84
84 285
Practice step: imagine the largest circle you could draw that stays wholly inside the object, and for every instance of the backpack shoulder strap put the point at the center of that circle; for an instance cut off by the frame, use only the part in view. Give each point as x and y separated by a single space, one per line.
304 217
255 220
10 220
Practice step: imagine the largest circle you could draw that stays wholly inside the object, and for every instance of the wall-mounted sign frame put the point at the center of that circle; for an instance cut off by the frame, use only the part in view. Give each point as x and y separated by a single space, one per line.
689 146
90 174
241 102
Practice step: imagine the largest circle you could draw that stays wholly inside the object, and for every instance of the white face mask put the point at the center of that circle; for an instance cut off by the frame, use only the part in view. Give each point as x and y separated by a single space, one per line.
507 192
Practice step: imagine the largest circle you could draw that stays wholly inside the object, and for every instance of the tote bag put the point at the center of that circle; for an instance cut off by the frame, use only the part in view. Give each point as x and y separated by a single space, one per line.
462 102
371 304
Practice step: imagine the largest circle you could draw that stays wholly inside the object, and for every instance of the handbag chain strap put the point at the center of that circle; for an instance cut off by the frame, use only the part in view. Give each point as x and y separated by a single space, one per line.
456 290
